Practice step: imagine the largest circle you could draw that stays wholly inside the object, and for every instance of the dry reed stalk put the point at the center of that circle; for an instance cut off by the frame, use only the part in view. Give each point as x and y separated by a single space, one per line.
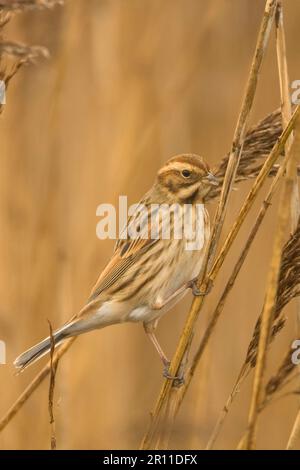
164 430
53 369
166 421
288 289
20 55
277 382
284 87
285 113
286 109
295 434
289 279
286 106
38 379
205 281
270 302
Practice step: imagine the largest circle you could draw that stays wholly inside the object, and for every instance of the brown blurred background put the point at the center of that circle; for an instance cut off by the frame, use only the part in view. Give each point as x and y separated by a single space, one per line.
129 83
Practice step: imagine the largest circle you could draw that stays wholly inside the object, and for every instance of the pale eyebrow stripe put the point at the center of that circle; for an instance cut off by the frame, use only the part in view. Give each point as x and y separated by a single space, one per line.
177 166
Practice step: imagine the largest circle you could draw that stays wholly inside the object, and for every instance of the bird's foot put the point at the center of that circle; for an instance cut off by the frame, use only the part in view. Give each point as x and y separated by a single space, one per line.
178 380
196 291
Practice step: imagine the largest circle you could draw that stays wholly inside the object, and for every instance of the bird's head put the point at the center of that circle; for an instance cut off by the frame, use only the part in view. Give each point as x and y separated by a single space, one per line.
186 178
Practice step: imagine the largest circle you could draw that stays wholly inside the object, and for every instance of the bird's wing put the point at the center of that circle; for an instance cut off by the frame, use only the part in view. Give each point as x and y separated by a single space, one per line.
128 249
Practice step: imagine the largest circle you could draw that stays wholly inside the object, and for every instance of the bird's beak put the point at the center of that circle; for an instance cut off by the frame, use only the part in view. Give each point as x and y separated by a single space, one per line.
211 179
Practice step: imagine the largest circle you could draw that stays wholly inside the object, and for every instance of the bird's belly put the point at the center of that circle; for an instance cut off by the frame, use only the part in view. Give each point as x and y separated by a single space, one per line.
142 313
186 268
160 291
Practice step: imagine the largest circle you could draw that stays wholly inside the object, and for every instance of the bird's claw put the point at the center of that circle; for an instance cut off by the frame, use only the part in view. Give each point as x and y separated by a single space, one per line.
196 291
178 381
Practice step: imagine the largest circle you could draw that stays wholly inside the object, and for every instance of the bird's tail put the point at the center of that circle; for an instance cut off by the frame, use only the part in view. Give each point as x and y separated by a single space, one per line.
76 326
39 350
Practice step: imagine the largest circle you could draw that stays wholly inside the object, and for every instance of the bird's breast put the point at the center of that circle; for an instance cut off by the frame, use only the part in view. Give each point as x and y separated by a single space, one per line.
183 258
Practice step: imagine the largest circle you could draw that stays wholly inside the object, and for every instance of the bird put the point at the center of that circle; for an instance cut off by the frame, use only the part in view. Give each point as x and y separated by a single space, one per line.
148 273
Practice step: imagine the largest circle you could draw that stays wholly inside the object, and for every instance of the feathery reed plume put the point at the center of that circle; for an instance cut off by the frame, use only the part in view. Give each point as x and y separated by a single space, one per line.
280 379
21 52
270 300
14 55
259 141
285 286
288 289
21 5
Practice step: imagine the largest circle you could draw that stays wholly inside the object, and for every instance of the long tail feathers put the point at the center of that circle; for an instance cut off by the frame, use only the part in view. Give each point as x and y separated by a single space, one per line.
74 327
39 350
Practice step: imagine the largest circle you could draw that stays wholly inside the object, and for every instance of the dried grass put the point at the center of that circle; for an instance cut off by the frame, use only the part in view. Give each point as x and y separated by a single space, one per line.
211 267
22 5
288 289
14 55
258 143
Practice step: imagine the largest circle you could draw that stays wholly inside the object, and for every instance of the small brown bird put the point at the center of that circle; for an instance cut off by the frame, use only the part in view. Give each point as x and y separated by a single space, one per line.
148 274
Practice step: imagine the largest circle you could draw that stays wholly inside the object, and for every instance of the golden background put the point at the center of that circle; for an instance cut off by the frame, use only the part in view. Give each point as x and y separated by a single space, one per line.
129 83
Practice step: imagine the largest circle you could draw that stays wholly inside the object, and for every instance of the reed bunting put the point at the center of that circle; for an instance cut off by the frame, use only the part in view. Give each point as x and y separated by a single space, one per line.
147 274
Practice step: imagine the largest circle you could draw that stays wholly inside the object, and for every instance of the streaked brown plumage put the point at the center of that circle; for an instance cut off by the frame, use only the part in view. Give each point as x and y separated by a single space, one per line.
146 275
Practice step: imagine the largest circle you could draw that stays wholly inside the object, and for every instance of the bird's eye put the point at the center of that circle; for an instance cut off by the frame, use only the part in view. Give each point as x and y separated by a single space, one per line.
186 173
